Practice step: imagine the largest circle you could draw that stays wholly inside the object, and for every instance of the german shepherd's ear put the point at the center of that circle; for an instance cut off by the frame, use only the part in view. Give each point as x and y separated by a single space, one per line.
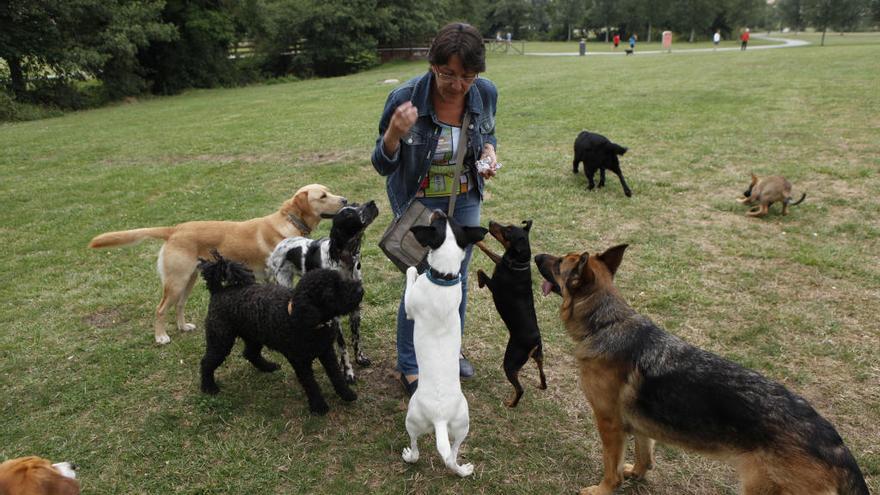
582 275
527 225
612 257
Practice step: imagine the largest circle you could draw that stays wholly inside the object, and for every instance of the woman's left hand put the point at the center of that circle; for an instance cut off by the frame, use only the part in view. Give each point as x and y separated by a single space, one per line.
489 152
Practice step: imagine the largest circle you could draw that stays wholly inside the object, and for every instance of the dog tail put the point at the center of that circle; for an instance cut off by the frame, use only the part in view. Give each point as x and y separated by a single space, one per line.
126 237
618 149
853 482
441 435
788 201
222 273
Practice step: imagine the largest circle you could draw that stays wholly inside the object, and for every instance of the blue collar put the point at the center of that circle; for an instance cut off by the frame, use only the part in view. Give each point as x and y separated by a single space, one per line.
437 278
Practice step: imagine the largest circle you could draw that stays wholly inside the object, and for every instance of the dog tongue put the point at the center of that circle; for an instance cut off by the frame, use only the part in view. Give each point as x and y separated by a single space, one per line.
546 287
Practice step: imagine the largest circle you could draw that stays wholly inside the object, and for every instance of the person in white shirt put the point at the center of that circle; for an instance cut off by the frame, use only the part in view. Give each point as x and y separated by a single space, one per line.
716 38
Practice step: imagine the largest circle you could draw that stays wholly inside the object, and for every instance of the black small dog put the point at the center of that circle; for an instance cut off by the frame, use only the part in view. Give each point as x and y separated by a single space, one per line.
340 251
511 287
292 322
598 153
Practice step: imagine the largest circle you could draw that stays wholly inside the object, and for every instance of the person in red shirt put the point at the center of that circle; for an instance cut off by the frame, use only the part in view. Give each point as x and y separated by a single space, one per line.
616 40
745 39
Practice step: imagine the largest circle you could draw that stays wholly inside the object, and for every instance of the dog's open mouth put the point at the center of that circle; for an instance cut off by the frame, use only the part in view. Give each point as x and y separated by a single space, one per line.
543 261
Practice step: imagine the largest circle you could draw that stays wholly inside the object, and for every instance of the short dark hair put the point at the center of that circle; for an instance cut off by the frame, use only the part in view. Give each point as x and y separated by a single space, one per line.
460 39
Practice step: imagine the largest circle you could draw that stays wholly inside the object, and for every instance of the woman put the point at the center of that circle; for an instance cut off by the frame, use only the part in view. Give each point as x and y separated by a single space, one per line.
418 137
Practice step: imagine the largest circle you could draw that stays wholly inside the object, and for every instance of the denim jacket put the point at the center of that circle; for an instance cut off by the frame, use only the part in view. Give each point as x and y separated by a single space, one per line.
406 168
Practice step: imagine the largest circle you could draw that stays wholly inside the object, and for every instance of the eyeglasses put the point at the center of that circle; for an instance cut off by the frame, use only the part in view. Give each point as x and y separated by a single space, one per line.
449 78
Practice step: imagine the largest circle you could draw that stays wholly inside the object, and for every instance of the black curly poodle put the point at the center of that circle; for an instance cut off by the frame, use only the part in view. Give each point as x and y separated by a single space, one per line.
292 322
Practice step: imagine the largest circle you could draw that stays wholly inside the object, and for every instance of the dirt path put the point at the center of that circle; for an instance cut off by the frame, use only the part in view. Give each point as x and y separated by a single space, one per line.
784 43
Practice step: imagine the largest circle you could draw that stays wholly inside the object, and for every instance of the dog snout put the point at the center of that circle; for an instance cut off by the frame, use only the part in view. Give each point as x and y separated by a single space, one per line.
343 200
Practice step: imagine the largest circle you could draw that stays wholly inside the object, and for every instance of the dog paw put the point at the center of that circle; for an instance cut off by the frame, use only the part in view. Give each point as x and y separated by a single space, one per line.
350 378
410 455
163 339
269 367
594 490
464 470
590 188
211 389
348 395
630 471
320 409
363 360
628 193
187 327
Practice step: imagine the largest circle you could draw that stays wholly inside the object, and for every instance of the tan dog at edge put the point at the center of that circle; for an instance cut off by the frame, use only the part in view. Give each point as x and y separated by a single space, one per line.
249 242
767 191
36 476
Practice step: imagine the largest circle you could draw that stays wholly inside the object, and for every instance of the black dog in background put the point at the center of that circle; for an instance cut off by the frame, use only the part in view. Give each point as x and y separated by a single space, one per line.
511 287
292 322
598 153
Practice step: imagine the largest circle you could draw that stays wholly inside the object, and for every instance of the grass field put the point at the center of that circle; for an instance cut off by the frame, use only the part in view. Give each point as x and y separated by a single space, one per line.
794 297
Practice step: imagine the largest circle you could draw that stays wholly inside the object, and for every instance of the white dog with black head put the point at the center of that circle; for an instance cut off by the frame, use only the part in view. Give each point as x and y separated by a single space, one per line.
431 300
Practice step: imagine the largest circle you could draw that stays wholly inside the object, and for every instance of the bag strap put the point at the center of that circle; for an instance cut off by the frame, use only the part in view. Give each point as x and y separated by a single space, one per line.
459 160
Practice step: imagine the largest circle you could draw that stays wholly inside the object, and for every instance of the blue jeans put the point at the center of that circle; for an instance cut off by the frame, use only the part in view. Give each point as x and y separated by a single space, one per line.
467 212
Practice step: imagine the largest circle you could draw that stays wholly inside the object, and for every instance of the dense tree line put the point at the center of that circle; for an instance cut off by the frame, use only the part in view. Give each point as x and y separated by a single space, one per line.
163 46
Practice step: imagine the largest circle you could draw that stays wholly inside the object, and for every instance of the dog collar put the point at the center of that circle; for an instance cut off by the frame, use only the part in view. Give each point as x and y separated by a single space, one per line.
518 265
445 280
298 223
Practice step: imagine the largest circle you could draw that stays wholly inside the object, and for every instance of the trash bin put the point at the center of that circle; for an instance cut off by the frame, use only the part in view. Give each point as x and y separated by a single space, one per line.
583 47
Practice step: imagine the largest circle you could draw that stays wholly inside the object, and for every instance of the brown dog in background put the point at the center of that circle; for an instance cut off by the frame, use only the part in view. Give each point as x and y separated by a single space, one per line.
37 476
765 192
643 381
249 242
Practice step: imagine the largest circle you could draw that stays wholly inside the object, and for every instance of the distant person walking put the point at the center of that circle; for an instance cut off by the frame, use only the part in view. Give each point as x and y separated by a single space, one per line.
716 38
745 39
632 42
616 40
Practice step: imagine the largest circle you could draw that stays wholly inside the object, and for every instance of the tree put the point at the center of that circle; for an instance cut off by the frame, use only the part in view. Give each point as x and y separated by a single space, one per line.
569 13
603 14
822 14
76 39
199 56
792 13
510 14
694 15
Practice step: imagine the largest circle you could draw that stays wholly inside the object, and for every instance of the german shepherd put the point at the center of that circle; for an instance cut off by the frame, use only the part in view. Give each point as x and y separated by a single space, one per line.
643 381
767 191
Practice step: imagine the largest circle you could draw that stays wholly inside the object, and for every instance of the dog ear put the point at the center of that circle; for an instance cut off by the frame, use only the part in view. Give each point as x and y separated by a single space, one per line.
582 275
527 225
300 203
754 179
426 235
475 234
61 485
612 257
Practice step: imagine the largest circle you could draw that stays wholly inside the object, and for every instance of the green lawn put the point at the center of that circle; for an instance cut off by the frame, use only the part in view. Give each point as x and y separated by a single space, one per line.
794 297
